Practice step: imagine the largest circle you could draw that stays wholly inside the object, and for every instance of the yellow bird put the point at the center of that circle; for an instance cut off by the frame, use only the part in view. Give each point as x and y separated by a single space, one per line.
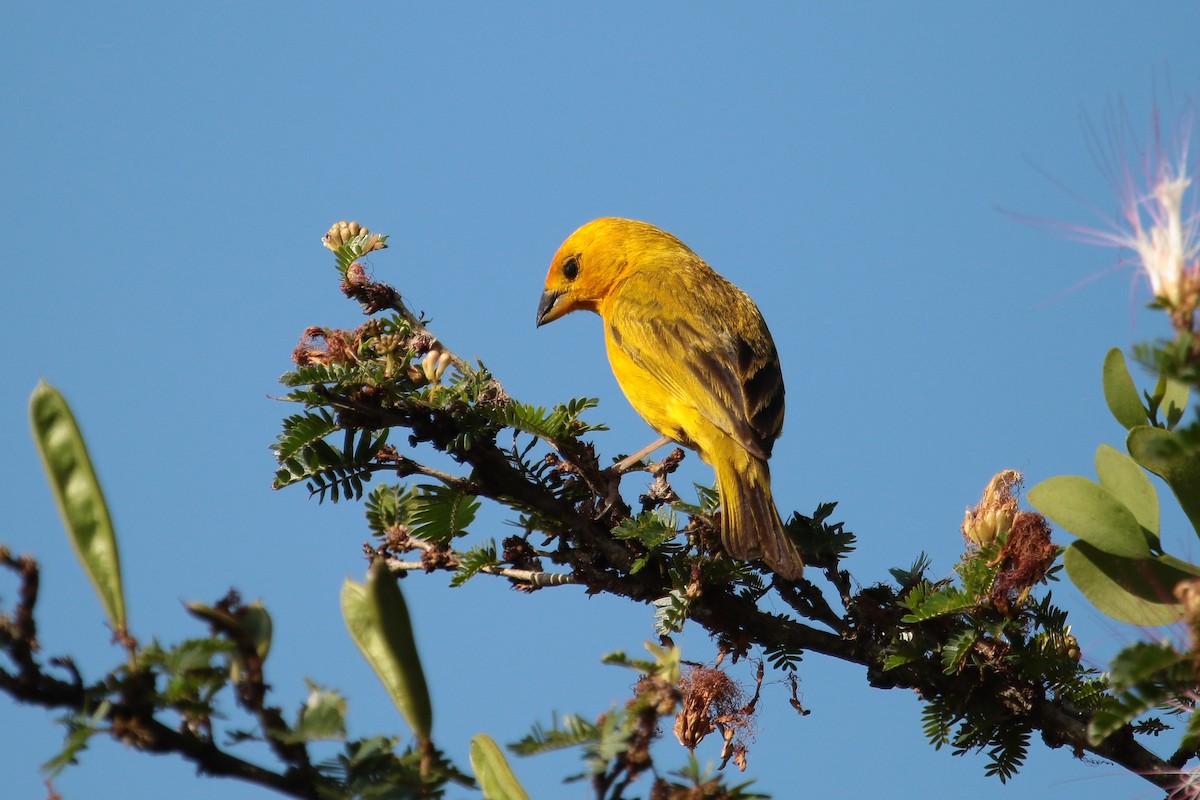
694 357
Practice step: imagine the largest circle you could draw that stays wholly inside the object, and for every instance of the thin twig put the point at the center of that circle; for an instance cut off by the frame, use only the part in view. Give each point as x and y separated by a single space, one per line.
532 577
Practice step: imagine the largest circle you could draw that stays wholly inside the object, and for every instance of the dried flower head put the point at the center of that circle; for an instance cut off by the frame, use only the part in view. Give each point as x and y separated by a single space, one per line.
1024 560
712 701
325 346
993 516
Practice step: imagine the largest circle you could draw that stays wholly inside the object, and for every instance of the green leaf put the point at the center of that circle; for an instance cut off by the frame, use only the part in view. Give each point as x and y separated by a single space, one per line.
1144 676
1091 512
322 717
1174 401
79 497
1008 756
945 601
495 777
474 560
441 513
1138 591
80 728
569 731
1127 482
1143 662
377 618
301 431
387 507
256 622
252 623
670 612
1163 453
559 423
1120 392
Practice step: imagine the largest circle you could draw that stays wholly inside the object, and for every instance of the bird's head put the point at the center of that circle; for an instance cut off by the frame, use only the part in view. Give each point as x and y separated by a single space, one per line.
594 260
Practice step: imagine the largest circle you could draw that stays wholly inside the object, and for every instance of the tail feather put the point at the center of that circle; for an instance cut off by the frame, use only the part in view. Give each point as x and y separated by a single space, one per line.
751 527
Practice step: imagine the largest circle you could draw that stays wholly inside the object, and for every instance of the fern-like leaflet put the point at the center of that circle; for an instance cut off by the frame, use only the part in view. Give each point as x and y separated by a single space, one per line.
472 561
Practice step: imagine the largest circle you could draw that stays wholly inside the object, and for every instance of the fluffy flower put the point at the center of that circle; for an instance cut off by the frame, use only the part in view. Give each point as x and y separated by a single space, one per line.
1159 220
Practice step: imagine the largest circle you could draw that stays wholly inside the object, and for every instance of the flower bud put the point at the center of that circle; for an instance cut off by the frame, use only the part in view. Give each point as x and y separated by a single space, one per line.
994 515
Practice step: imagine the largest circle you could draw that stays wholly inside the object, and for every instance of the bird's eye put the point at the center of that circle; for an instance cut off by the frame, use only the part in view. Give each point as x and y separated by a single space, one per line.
570 268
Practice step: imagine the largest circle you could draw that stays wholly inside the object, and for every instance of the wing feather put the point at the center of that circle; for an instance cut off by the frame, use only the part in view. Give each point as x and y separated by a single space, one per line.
716 336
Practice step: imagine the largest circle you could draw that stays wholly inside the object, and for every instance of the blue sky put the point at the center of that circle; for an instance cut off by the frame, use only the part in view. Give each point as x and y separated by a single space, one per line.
166 175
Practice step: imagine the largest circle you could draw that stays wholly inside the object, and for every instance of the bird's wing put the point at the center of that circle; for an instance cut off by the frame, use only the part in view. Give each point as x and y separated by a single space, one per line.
707 344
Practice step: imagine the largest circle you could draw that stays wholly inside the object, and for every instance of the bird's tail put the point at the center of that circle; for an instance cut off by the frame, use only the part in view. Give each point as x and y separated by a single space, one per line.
751 527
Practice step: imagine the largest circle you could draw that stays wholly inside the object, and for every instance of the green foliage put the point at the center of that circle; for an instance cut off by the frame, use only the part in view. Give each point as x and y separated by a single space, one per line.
670 612
356 247
783 657
195 670
473 560
322 717
1120 392
570 730
81 727
908 578
79 497
821 542
1008 754
1118 561
1134 590
378 620
495 776
1173 361
301 431
606 740
387 508
664 664
984 728
1000 640
927 601
1176 460
708 501
370 769
330 471
701 783
654 530
1144 676
248 627
1092 513
559 423
440 513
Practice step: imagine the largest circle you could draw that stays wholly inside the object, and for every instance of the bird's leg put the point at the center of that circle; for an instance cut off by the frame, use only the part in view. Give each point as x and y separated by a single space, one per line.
625 463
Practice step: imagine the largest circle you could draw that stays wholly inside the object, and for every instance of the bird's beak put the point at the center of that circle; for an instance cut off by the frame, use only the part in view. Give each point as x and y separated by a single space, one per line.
547 311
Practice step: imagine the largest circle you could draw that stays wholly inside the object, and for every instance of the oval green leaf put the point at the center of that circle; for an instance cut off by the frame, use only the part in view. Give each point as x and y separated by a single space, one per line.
1127 482
79 497
1162 452
1174 402
1139 591
378 621
1091 512
495 777
1120 393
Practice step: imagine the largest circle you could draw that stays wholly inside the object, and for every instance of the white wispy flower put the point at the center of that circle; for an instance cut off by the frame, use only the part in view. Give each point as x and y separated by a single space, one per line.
1164 239
1160 221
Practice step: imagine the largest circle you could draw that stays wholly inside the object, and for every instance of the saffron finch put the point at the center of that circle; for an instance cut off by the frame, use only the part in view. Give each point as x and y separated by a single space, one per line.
694 357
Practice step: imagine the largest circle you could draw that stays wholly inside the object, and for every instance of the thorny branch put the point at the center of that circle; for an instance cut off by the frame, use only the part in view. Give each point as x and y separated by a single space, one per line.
129 717
858 634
